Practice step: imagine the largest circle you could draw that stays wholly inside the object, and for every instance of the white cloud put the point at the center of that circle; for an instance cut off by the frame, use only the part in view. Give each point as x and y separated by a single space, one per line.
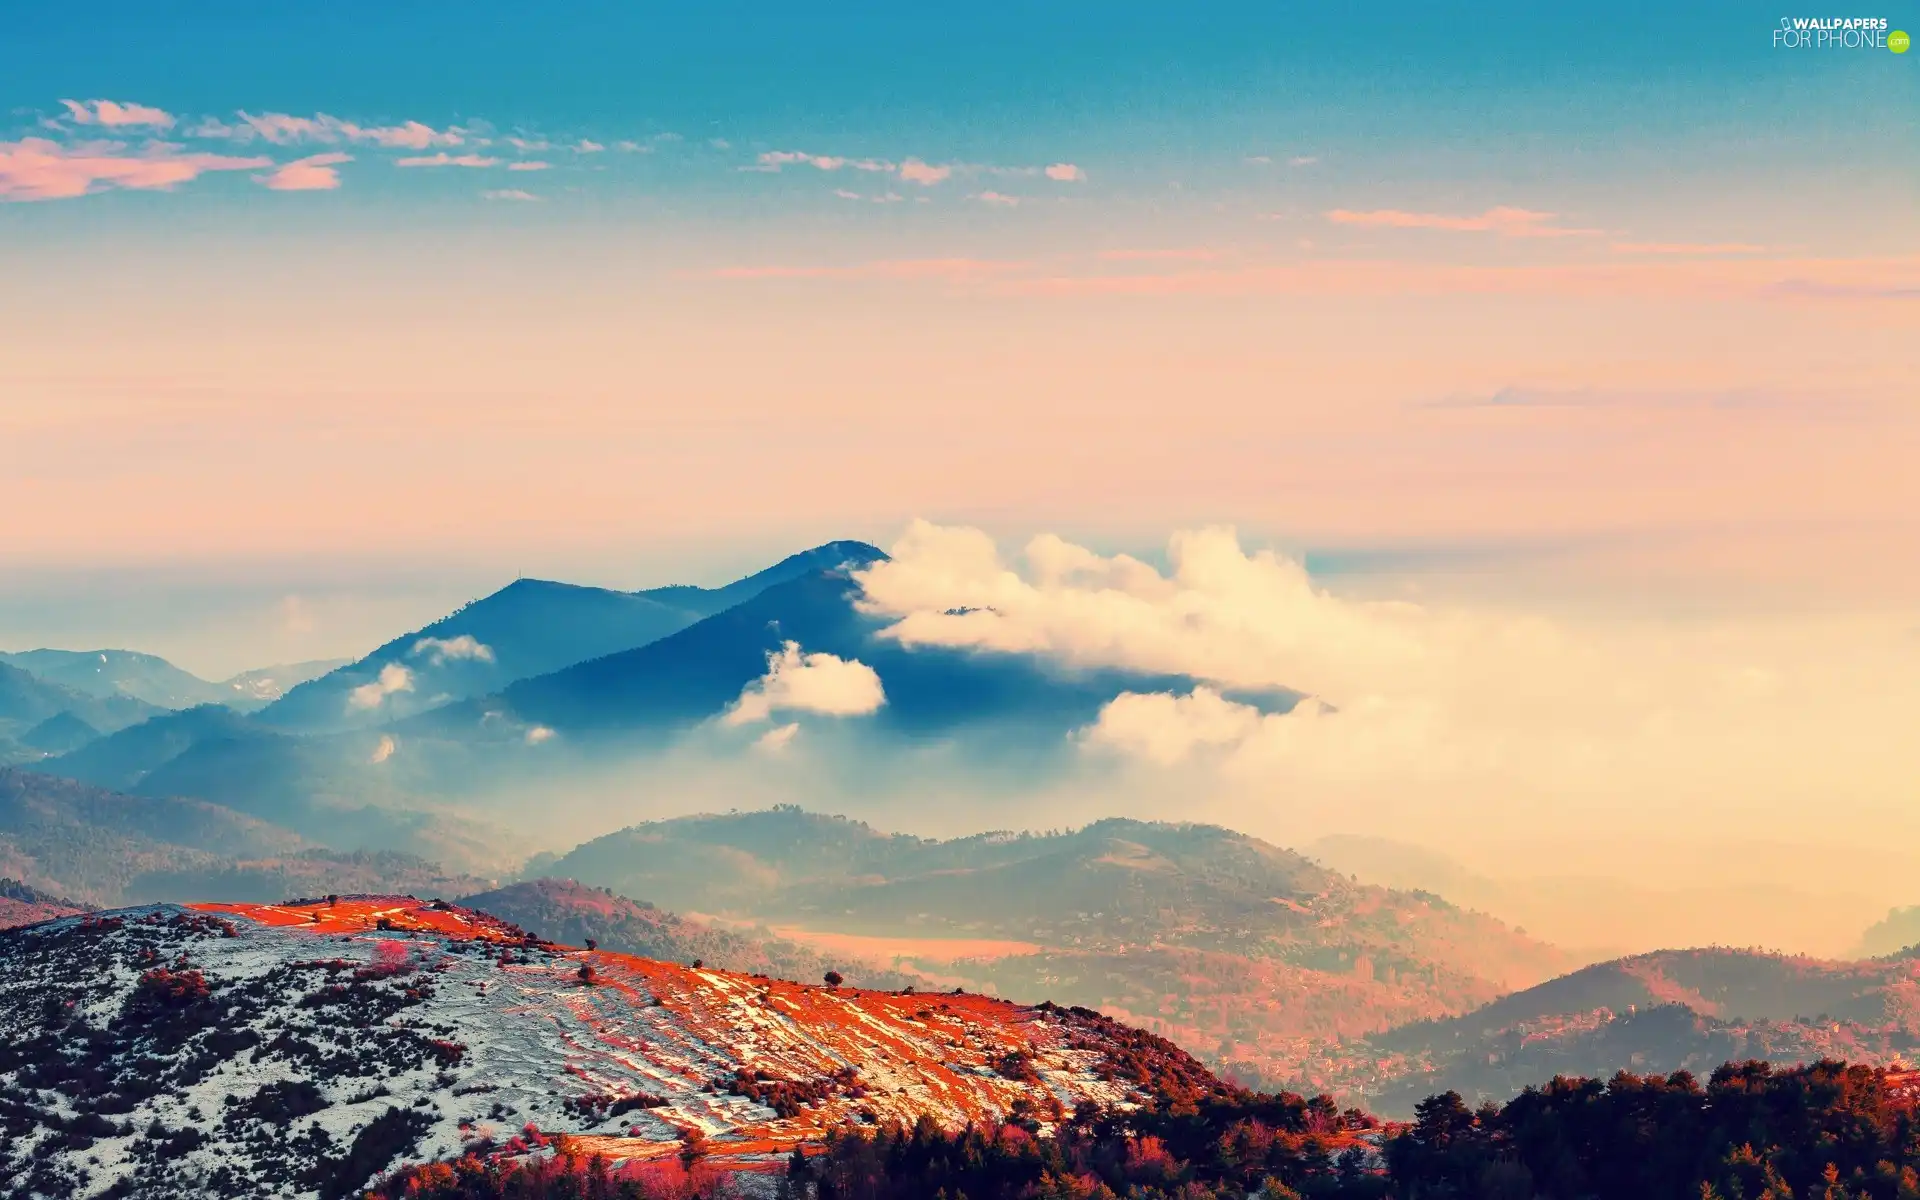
384 750
392 678
1166 728
816 683
586 146
538 734
1441 718
508 194
465 647
777 739
1223 616
1065 173
443 159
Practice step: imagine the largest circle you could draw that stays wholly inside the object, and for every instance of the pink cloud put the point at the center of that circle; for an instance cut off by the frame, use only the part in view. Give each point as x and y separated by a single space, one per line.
924 174
315 173
910 268
116 113
1066 173
281 128
443 159
1188 254
1505 221
37 169
529 165
1686 248
997 199
508 194
584 146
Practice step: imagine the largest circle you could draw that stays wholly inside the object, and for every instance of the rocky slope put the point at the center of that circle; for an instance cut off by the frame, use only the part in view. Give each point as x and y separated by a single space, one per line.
299 1049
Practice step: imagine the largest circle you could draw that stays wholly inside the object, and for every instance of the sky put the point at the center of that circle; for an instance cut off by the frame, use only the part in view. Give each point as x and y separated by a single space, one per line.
1535 383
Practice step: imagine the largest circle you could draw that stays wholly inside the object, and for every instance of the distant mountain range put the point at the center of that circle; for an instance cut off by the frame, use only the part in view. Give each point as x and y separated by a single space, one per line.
1661 1012
528 628
108 674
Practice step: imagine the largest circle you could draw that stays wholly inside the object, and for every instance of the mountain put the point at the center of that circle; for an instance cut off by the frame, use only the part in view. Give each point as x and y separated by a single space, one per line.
93 844
58 734
530 627
1233 947
672 684
127 756
568 911
299 1050
106 674
23 905
26 700
250 690
1661 1012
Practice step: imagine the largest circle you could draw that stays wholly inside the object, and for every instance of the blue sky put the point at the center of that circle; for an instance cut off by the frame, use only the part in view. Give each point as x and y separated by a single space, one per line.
1101 268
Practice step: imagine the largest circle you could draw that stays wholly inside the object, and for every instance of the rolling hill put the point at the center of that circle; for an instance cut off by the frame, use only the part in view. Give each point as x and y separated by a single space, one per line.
567 911
299 1050
1660 1012
528 628
27 701
93 844
1191 930
23 905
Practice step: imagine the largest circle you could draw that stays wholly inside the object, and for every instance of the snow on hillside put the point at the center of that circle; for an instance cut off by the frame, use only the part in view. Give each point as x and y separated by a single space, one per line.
297 1050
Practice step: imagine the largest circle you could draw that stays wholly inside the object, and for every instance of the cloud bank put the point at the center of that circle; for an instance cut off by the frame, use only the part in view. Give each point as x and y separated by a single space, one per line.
1458 724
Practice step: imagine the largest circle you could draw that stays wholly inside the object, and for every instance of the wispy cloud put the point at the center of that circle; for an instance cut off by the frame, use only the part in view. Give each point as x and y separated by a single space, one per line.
904 269
532 164
1504 221
776 159
1686 248
997 199
315 173
508 194
587 146
443 159
38 169
1303 160
1749 400
441 651
392 678
117 114
1177 254
1065 173
1813 289
283 129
